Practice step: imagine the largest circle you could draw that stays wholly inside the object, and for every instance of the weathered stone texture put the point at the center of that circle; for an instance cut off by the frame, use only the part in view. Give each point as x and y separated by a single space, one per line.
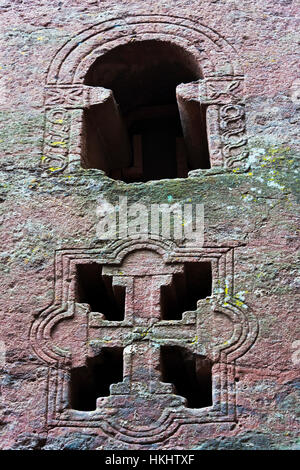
48 217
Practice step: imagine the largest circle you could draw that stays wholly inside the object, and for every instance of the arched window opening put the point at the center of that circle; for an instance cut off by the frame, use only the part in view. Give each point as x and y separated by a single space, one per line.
145 130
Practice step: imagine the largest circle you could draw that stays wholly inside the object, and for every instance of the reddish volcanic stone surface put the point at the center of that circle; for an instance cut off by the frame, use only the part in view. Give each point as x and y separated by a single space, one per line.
149 342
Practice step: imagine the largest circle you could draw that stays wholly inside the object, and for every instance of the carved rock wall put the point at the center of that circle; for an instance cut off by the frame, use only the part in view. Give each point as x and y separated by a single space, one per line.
247 328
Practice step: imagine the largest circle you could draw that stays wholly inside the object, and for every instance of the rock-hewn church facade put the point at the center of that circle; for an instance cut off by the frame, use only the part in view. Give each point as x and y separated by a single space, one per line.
149 225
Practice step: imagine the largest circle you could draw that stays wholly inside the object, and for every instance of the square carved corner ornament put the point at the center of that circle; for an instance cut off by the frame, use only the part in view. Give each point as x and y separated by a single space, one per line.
142 408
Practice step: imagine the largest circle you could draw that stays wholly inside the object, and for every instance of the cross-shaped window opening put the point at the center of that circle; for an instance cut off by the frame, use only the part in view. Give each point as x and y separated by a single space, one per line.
181 295
155 294
189 373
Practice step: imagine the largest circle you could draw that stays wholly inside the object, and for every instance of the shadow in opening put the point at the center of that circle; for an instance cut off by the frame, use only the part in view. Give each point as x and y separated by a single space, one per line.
93 380
189 373
143 76
97 291
193 284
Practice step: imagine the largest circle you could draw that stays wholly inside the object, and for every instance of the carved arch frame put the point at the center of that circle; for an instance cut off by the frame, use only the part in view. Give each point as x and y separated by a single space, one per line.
221 90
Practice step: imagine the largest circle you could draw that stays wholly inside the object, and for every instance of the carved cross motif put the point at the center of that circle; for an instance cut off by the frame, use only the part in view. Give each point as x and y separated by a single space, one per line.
142 331
141 408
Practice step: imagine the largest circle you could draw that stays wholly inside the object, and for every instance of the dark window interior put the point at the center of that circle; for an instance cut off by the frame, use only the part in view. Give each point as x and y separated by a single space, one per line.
186 289
190 373
97 291
143 76
158 137
93 380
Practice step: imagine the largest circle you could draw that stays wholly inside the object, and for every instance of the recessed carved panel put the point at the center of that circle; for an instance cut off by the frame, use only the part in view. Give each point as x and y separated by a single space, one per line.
143 406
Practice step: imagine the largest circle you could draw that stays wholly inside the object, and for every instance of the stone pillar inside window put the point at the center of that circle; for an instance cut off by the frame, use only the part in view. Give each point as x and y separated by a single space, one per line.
193 121
107 142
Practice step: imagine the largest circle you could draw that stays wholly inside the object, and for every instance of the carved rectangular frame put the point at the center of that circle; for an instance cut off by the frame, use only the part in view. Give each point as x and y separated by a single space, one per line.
224 402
